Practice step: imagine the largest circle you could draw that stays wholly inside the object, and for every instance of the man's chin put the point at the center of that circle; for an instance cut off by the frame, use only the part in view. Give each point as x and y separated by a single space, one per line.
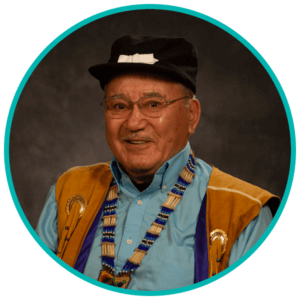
139 168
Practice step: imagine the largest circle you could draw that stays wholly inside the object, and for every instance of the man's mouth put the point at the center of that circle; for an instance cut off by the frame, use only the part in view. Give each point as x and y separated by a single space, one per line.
136 142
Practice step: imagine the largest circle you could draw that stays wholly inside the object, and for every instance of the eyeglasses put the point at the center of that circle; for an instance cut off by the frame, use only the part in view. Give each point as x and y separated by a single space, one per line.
151 106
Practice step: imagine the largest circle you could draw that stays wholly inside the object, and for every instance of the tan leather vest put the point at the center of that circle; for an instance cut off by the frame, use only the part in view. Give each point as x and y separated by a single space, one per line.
231 205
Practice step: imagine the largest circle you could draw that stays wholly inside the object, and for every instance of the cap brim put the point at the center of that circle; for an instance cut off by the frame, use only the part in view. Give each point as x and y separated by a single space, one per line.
105 72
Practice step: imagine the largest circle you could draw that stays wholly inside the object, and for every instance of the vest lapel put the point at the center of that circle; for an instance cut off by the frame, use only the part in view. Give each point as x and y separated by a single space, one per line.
94 188
88 241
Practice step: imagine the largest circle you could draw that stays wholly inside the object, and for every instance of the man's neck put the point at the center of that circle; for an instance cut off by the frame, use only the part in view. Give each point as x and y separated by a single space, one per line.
141 186
141 180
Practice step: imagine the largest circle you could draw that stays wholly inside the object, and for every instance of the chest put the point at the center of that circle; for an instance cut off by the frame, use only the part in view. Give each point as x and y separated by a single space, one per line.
169 263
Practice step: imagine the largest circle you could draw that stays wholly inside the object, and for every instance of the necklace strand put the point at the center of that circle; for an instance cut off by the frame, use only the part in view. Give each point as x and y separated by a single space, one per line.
107 274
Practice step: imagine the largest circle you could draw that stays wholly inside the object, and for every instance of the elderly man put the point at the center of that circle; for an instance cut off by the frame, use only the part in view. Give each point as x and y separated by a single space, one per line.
155 217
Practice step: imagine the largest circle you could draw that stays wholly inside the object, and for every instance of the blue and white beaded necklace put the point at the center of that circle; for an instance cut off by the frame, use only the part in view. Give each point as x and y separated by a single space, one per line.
122 280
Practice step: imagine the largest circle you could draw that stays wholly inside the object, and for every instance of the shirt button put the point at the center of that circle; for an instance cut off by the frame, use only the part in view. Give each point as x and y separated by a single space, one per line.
140 202
129 242
164 187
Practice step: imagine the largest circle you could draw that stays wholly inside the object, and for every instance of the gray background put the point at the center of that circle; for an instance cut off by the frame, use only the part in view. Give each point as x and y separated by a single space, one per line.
58 122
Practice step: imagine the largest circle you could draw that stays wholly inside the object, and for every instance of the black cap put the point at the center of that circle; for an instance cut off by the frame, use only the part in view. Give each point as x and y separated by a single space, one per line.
173 58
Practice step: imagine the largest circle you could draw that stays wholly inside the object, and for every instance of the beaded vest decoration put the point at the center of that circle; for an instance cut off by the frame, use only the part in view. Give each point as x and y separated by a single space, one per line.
122 280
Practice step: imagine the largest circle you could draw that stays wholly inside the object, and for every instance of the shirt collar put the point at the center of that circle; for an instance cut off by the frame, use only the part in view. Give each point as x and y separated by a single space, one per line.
164 179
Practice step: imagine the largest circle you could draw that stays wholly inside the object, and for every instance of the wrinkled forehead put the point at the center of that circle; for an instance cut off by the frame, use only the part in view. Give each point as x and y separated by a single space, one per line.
158 80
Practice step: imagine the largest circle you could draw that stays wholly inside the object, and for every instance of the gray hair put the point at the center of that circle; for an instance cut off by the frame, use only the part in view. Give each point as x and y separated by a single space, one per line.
186 92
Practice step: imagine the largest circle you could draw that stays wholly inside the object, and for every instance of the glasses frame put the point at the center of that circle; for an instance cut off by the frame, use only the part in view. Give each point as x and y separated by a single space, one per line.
138 103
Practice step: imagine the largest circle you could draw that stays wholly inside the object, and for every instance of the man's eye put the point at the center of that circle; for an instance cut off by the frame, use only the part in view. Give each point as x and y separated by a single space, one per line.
119 106
154 104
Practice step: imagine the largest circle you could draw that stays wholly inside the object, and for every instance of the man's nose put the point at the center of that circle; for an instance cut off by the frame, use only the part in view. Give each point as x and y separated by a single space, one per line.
136 120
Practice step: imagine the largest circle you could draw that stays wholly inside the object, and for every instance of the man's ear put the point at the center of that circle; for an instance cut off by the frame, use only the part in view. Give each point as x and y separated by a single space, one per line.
194 114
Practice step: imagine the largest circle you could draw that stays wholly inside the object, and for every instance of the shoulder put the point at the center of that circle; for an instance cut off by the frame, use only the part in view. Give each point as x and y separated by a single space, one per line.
202 169
238 192
79 180
90 170
84 181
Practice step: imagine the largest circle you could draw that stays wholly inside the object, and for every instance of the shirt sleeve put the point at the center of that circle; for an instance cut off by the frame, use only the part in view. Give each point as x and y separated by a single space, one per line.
250 235
47 225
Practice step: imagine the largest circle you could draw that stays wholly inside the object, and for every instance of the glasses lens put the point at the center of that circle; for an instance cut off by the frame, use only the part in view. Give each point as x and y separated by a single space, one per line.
121 107
152 106
117 107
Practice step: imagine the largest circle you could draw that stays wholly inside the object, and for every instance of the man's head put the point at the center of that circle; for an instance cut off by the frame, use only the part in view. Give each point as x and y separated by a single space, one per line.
144 134
142 143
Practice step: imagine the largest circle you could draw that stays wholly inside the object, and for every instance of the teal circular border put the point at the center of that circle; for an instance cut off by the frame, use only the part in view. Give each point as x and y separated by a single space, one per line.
131 8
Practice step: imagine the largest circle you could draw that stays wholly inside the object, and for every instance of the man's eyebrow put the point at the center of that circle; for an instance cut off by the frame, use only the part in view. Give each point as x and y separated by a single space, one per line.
145 94
117 96
152 94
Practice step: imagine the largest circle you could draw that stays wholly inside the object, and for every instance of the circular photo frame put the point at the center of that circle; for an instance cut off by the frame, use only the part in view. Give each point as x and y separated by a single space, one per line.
111 30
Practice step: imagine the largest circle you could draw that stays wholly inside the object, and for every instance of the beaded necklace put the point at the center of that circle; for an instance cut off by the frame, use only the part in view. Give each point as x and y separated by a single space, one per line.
122 280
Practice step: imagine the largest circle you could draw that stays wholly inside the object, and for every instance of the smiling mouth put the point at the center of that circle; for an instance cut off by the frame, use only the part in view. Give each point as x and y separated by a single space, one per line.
137 142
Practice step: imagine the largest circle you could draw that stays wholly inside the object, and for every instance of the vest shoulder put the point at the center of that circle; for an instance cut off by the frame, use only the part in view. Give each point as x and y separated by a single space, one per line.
227 186
85 170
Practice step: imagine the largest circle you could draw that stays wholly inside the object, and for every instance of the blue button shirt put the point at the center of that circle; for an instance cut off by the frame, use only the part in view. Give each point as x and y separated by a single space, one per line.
169 263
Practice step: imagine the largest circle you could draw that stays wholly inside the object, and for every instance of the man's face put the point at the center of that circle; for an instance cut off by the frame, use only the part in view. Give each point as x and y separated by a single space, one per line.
141 143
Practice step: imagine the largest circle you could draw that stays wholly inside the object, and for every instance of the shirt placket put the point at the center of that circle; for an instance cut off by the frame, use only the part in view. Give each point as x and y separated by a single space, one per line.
131 234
